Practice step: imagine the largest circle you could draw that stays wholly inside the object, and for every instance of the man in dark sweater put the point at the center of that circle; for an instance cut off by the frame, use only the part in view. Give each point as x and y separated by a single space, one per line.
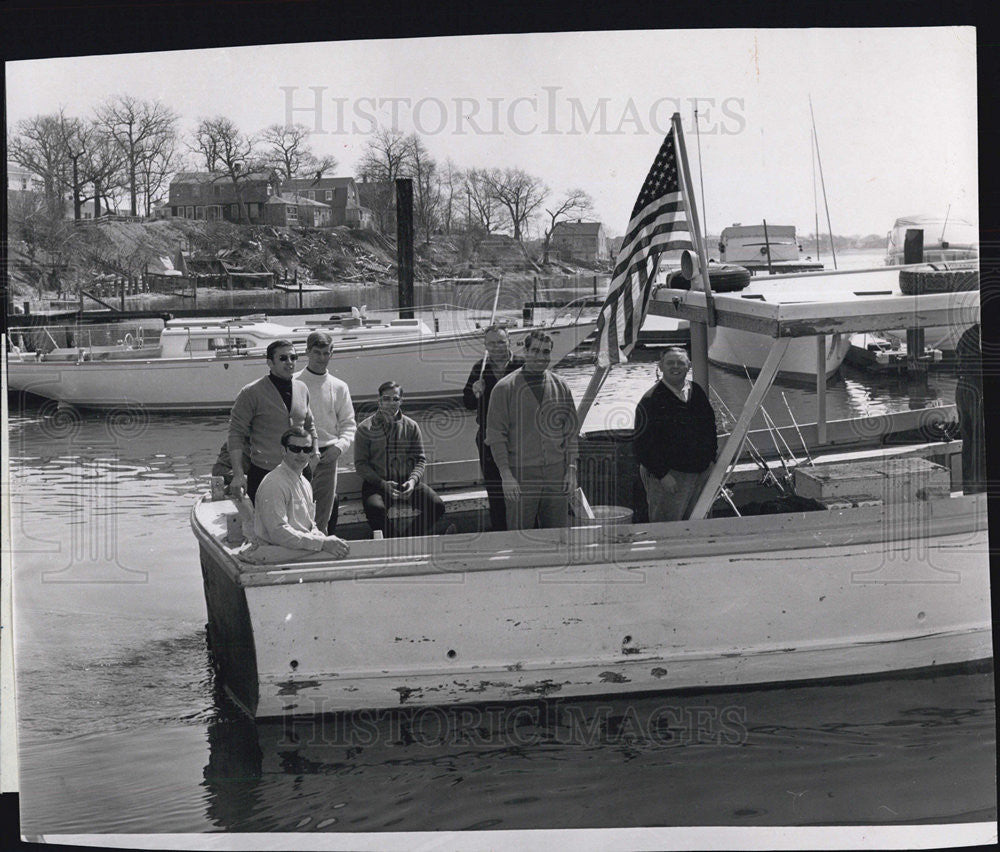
675 439
476 395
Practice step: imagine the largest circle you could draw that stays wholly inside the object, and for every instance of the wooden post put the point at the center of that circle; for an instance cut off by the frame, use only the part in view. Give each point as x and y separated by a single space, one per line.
298 284
821 388
913 252
121 292
699 336
404 245
735 440
595 285
194 290
534 288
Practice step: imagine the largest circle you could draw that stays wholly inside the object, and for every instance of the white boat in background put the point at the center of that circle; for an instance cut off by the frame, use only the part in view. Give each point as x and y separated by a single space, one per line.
760 248
201 364
876 563
944 239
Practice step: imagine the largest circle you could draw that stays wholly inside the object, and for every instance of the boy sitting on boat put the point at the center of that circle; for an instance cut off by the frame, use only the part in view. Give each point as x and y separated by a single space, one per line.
389 457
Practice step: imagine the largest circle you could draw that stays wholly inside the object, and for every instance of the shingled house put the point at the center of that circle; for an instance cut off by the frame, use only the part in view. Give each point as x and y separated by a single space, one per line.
211 195
339 193
584 241
290 210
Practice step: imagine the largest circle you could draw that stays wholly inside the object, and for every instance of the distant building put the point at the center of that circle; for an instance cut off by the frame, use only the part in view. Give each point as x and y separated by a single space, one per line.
379 196
340 194
297 211
211 195
583 241
20 179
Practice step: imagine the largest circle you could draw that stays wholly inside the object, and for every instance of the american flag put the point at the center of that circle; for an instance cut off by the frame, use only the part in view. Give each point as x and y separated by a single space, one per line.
658 223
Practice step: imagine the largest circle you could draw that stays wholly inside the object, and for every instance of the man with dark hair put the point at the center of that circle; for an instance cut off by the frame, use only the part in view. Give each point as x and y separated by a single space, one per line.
333 412
483 377
532 430
263 410
389 457
283 513
674 438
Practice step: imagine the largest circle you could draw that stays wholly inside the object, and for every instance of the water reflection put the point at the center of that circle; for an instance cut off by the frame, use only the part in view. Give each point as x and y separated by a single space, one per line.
804 755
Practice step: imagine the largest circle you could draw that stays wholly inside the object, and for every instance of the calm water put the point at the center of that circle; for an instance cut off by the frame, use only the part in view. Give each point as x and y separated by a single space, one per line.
122 727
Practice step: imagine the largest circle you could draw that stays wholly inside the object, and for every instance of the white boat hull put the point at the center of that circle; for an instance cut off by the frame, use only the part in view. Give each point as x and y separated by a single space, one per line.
428 368
735 349
495 617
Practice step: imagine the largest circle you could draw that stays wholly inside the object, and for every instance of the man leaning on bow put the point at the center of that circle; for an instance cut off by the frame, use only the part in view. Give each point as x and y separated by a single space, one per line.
283 513
262 412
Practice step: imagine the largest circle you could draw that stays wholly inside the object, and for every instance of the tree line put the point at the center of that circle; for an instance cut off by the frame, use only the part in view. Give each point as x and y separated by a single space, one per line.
126 152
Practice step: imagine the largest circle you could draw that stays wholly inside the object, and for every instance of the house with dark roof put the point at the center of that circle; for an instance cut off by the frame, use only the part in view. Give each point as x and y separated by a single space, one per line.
289 210
584 241
212 196
340 194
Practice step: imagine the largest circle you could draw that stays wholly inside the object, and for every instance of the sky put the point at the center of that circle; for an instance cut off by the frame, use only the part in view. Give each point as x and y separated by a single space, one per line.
895 110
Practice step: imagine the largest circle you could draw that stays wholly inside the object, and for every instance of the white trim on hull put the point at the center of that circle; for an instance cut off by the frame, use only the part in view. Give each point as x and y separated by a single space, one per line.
733 348
428 369
722 602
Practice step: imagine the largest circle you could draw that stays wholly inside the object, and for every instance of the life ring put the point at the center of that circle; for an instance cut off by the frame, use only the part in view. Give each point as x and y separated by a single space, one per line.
914 282
723 278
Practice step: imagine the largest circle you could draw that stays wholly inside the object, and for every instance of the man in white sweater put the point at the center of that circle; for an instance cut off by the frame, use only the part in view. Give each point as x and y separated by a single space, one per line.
333 416
283 510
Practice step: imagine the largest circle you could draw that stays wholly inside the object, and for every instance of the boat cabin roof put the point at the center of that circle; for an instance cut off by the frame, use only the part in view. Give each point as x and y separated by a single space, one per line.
797 306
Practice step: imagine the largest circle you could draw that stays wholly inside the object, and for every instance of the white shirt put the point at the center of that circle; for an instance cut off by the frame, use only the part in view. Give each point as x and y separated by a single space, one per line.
684 394
284 509
332 409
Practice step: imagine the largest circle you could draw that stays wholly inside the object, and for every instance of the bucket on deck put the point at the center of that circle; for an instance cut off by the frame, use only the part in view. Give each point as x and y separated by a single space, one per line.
610 516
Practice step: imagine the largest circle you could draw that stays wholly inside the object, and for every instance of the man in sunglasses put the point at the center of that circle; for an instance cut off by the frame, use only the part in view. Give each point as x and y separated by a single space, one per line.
263 411
283 514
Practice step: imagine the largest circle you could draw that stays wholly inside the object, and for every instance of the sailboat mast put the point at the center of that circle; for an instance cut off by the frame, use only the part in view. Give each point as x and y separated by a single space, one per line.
812 159
822 183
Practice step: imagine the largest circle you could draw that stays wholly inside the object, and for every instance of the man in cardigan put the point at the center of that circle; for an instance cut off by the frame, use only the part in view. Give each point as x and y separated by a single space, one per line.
532 431
333 411
500 362
261 414
675 440
389 457
283 514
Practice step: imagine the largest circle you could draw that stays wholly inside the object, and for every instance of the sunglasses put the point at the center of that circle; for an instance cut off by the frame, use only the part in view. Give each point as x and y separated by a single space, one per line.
294 448
292 358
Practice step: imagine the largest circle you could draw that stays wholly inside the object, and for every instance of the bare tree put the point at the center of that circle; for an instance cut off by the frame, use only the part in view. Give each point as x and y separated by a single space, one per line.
451 191
482 207
141 130
519 193
289 154
38 145
160 160
94 163
226 149
427 186
388 155
574 202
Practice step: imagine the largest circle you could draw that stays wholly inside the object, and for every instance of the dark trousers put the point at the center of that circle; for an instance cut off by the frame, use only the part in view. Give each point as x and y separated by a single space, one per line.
429 507
969 401
255 475
493 485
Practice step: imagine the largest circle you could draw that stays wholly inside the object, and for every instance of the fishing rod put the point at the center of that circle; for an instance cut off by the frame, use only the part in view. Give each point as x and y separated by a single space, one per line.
755 455
945 228
701 179
799 431
774 432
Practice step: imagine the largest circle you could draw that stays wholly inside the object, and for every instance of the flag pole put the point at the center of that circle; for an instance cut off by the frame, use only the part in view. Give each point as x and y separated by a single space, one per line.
699 331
